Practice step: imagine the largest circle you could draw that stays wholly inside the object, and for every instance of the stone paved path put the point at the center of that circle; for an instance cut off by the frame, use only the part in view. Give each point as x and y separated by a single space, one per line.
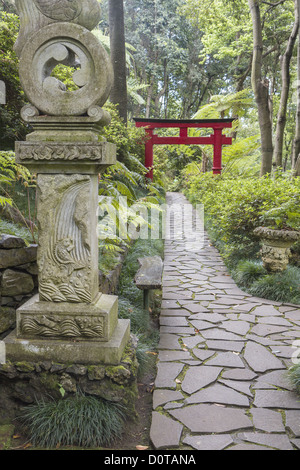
221 379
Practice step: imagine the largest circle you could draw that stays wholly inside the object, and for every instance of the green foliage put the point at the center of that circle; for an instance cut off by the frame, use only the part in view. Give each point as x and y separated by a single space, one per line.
128 139
17 197
286 216
17 230
10 173
131 302
78 420
294 377
247 272
11 126
235 207
280 287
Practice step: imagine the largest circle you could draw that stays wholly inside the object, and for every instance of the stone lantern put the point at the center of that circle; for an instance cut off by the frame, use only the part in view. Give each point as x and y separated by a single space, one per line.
69 320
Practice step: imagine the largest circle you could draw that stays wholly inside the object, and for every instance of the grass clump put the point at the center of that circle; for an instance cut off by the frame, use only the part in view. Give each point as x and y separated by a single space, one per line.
281 287
78 420
247 272
294 377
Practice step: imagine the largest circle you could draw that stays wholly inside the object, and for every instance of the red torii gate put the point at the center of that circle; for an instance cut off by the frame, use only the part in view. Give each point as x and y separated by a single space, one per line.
217 139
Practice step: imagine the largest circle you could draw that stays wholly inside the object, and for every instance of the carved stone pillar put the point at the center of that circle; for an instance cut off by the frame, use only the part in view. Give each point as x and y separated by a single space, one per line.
69 320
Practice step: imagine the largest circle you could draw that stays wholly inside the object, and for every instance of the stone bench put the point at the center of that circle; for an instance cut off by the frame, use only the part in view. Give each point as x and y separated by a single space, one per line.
149 276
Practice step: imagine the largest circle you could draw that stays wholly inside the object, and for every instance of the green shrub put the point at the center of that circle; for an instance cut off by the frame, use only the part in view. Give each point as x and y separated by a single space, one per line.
235 207
281 287
294 377
79 420
247 272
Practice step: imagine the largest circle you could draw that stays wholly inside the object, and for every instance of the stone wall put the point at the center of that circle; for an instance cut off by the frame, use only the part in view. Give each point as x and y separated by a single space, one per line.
18 277
25 383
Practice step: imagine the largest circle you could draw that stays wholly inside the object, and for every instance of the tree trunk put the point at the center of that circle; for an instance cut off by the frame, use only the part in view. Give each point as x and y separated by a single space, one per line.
260 89
118 56
285 77
296 141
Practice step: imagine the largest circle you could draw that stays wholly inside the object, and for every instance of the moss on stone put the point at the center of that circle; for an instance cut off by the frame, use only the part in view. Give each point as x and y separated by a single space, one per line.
119 374
25 366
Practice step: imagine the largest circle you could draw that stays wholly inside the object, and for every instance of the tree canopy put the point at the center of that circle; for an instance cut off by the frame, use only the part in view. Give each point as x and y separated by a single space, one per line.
182 54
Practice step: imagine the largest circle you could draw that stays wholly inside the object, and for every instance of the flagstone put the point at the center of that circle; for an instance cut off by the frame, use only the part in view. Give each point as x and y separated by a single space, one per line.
239 386
226 359
167 372
266 330
203 354
266 310
274 379
169 304
212 418
267 420
239 374
201 325
199 377
194 307
180 312
248 447
192 341
167 356
276 399
225 345
236 326
276 441
279 321
223 358
260 359
293 315
161 396
169 341
292 418
216 333
218 393
210 317
213 442
177 330
248 307
164 432
173 321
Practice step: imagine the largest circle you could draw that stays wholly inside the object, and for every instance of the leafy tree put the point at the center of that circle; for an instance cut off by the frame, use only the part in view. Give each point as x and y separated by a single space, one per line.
11 126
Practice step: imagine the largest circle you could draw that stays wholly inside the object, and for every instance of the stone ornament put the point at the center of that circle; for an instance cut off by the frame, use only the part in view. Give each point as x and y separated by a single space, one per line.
67 254
71 152
68 319
49 37
68 327
276 247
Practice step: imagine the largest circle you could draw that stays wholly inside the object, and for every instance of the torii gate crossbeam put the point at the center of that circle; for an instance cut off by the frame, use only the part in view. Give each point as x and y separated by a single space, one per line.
217 139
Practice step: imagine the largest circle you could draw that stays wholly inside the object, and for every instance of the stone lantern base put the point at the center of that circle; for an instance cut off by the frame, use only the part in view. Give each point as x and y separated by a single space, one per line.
31 379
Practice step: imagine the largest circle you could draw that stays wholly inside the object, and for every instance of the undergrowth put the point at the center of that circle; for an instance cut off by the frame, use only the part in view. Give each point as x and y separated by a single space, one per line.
143 323
251 276
80 420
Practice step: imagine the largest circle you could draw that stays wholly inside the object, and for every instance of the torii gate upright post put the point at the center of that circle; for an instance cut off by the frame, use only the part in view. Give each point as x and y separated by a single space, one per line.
217 139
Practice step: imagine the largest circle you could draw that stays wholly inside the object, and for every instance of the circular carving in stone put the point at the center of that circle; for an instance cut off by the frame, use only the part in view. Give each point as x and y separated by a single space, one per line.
67 44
